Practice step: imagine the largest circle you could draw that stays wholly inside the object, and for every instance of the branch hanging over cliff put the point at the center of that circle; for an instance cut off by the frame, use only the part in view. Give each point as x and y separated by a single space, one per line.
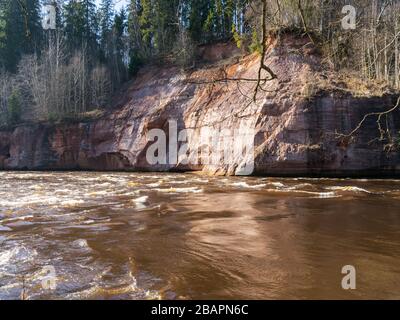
263 67
260 80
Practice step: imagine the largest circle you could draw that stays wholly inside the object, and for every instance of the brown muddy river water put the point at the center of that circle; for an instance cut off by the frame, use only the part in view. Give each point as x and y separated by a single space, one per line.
167 236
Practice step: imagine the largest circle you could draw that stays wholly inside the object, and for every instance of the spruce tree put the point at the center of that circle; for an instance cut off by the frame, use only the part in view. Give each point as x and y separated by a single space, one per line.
199 12
146 24
14 108
106 13
2 35
20 30
81 25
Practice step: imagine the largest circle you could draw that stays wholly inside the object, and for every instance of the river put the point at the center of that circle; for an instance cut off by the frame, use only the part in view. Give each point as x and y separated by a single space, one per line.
186 236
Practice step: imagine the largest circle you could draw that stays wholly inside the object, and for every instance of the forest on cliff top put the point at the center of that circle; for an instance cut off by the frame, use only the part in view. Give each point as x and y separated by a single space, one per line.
72 70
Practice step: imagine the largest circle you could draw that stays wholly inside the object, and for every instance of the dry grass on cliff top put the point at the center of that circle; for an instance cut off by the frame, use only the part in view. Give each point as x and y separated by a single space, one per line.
317 73
347 83
351 82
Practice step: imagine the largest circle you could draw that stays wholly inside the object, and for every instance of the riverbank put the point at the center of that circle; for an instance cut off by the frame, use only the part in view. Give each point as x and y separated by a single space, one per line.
296 121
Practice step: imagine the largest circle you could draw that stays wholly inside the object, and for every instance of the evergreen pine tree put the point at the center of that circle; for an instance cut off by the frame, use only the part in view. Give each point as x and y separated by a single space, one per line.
81 25
106 12
14 108
199 12
2 34
20 30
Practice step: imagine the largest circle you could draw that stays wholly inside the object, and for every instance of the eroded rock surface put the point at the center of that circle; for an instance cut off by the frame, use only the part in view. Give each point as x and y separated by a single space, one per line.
295 121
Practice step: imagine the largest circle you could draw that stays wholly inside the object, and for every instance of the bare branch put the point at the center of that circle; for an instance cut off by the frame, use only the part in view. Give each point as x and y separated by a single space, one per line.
263 67
380 115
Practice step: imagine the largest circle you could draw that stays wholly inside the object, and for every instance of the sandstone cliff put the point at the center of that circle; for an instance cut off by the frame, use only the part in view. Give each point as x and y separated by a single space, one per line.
296 119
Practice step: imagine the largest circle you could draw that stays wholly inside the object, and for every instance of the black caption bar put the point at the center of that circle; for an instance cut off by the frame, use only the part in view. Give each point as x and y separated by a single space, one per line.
212 310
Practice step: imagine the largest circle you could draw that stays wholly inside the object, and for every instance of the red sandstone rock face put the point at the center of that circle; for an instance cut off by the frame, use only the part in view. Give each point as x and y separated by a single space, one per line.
294 128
